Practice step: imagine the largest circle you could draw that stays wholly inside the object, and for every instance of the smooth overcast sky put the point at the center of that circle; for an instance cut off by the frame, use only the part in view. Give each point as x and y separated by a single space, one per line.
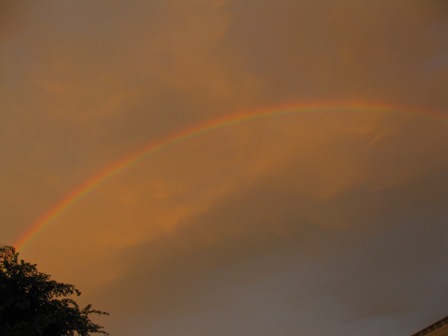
316 224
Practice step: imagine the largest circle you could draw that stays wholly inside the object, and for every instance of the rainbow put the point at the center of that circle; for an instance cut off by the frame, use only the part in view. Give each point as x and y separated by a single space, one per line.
193 132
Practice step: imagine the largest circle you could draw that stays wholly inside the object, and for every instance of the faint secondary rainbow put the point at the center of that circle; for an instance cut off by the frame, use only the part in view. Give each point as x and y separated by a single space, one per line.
195 131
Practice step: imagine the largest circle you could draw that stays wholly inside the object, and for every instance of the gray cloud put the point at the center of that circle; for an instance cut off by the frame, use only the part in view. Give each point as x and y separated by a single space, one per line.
361 254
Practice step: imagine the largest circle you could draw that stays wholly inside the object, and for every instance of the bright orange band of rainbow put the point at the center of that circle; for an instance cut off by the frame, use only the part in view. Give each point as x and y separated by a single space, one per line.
193 132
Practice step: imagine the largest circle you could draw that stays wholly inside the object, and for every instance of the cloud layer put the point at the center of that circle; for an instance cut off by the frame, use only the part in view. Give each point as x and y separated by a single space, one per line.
316 223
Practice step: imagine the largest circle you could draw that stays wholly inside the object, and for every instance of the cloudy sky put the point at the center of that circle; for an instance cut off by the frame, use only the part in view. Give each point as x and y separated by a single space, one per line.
316 223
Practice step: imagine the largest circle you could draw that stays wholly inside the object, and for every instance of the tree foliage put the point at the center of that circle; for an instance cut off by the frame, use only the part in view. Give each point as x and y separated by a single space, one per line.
33 304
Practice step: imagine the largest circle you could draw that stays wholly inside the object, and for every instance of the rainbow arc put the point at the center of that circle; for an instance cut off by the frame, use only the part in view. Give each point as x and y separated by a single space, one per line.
195 131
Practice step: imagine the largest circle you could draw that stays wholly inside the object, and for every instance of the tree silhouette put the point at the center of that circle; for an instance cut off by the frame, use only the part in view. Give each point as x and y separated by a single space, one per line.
32 304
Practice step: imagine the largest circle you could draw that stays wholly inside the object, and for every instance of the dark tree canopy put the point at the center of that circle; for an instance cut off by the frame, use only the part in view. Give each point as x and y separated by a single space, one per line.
32 304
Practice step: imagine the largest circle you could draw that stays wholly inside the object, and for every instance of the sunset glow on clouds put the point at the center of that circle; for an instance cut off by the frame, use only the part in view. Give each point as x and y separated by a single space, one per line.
329 220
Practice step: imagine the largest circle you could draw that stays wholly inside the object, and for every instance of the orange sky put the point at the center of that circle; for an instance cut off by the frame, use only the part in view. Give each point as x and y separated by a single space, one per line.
323 223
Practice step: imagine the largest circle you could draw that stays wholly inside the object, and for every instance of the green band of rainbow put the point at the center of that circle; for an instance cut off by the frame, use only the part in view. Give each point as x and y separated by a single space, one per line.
192 132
